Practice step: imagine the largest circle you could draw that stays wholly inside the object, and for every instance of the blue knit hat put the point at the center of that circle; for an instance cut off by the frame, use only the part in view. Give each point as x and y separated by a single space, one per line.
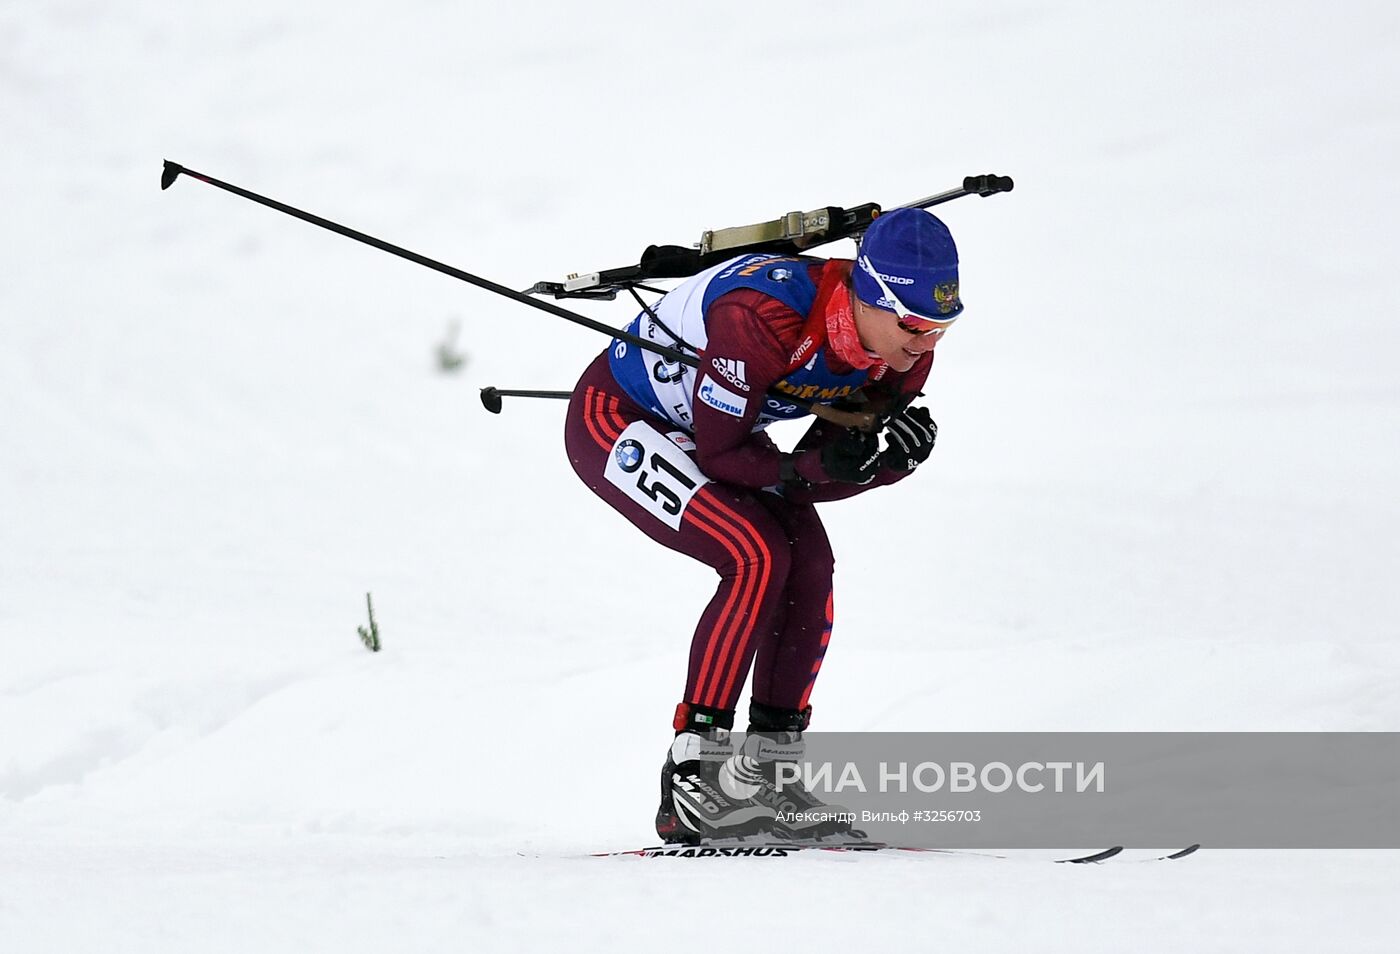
913 253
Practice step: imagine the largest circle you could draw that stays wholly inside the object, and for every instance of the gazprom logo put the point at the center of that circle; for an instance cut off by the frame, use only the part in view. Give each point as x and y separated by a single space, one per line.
722 399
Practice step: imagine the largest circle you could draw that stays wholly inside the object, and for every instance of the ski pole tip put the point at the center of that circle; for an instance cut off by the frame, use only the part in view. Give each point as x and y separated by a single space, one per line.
491 400
169 173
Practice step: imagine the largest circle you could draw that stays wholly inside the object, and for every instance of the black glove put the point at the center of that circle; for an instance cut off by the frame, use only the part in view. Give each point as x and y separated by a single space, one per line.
909 438
853 458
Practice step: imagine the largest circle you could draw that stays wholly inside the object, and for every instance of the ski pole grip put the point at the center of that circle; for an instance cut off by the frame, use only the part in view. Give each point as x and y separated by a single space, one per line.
491 400
989 184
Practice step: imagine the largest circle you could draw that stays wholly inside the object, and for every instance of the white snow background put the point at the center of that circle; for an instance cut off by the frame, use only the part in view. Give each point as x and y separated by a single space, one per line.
1164 496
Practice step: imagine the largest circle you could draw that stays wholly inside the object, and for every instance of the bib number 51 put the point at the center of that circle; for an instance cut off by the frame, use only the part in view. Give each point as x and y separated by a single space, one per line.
654 472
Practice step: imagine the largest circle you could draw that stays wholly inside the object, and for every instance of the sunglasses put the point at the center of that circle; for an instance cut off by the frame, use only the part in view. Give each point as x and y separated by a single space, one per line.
909 322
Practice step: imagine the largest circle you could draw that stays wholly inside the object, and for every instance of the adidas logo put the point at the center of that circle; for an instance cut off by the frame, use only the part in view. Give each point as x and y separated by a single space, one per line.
732 370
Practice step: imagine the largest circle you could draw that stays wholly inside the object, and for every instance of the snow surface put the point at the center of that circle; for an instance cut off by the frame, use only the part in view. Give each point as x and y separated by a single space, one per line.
1163 498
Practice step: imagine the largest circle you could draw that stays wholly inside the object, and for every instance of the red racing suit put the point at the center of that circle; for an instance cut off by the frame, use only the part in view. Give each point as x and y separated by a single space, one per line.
714 491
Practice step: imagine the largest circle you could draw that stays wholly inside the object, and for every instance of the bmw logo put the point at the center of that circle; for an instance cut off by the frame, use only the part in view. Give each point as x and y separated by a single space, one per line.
629 455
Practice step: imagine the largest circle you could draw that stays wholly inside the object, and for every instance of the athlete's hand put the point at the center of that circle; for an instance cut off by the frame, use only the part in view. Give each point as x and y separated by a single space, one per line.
852 458
909 438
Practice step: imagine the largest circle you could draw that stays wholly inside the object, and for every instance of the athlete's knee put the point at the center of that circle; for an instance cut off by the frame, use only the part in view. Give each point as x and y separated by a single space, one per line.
768 559
813 562
809 544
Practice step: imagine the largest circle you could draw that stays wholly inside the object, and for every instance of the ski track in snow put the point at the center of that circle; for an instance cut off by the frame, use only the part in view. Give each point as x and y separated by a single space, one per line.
1163 497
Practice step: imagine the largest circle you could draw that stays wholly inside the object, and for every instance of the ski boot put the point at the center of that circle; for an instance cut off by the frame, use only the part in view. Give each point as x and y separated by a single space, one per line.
701 801
774 743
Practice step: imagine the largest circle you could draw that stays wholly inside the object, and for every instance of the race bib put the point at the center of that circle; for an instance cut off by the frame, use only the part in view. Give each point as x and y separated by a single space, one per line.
654 472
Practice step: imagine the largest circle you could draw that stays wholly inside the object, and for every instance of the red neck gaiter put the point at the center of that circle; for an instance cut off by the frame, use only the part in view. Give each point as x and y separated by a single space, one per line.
834 304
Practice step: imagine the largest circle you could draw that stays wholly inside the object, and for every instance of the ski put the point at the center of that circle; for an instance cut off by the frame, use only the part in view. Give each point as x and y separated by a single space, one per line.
1092 859
783 850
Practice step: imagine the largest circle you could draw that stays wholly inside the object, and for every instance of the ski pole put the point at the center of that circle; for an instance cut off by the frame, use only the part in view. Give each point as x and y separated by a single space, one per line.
173 170
491 397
